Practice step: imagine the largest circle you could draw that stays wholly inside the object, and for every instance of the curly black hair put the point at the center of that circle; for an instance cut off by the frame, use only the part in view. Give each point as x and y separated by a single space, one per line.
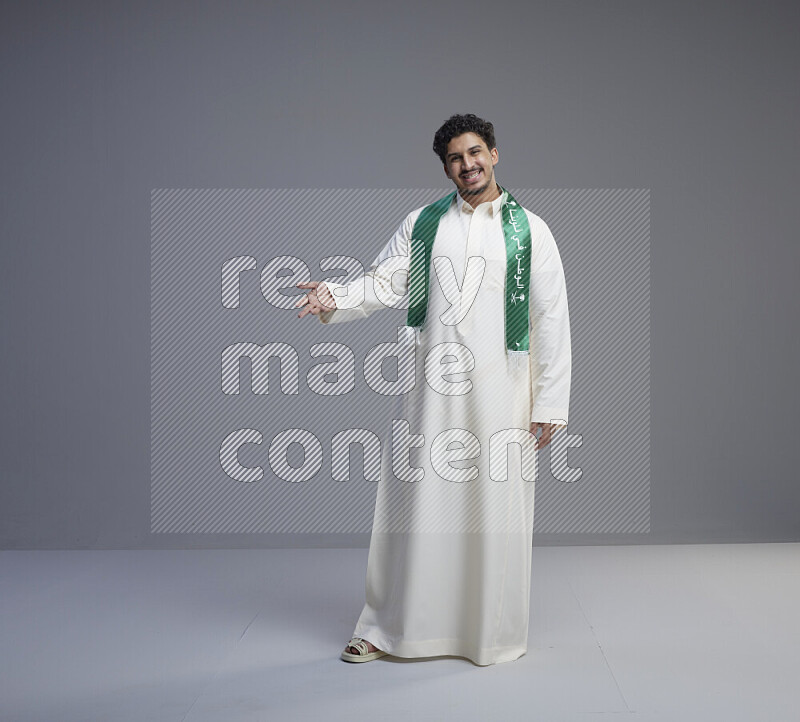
455 125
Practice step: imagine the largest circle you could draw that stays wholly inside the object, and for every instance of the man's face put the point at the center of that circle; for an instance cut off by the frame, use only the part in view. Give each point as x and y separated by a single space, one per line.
470 164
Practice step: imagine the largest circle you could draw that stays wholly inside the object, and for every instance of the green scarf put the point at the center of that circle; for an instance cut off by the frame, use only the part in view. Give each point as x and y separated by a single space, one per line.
517 233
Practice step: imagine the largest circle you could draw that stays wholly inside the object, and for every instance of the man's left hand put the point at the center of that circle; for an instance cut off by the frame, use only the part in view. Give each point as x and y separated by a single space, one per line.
547 433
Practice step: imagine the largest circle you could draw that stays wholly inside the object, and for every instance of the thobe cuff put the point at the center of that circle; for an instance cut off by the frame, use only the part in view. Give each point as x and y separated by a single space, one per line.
549 415
352 302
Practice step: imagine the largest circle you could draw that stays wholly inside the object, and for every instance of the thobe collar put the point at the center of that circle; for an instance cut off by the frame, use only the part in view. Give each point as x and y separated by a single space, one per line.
464 206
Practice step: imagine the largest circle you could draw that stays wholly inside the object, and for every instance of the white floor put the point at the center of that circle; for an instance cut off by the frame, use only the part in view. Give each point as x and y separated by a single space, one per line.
634 633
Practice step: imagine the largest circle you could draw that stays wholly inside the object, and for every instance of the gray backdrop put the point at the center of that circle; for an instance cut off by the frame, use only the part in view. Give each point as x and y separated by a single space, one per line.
104 102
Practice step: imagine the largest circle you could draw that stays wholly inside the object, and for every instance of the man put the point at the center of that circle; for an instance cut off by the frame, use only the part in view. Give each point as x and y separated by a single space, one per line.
449 562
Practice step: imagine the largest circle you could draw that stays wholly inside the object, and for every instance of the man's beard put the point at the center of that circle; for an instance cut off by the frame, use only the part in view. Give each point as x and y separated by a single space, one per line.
477 191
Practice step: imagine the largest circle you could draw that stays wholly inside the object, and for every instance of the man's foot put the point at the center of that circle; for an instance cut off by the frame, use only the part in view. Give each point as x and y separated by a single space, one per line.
360 650
370 648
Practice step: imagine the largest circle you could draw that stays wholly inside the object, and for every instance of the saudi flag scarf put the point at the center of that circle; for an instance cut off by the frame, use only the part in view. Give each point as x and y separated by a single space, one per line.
517 233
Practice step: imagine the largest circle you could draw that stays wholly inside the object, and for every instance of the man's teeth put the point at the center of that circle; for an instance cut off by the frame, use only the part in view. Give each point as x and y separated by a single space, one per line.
472 175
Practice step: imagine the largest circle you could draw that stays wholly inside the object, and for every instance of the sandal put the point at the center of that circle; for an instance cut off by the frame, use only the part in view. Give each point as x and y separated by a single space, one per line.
364 655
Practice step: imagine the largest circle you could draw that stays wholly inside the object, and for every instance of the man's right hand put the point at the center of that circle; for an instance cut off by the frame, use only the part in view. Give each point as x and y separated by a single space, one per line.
318 300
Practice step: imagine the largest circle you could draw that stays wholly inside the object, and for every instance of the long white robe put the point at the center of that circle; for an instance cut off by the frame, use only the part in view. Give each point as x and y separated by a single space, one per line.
449 563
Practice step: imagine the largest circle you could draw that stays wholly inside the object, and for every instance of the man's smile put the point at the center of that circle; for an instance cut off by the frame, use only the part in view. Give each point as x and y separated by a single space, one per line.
472 175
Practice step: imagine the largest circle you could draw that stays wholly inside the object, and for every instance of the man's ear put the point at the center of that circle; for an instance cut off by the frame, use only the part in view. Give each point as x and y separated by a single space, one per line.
446 172
495 156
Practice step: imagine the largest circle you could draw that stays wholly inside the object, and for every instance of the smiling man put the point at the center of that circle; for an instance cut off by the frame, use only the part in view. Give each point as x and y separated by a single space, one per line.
469 163
449 563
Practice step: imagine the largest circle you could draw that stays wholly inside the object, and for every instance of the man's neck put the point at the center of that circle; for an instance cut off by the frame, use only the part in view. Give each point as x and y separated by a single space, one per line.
491 193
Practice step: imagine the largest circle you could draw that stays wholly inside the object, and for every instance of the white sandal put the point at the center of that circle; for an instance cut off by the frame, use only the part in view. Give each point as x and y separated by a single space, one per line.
364 655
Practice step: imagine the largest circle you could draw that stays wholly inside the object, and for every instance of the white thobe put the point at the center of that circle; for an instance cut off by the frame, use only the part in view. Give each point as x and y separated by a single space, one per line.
449 563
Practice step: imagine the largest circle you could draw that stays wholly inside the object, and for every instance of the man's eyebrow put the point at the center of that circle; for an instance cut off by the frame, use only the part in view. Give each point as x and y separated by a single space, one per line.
456 155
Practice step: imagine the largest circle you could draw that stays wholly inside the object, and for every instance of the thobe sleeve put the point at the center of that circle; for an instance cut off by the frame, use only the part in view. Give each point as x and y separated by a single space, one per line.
383 286
551 352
